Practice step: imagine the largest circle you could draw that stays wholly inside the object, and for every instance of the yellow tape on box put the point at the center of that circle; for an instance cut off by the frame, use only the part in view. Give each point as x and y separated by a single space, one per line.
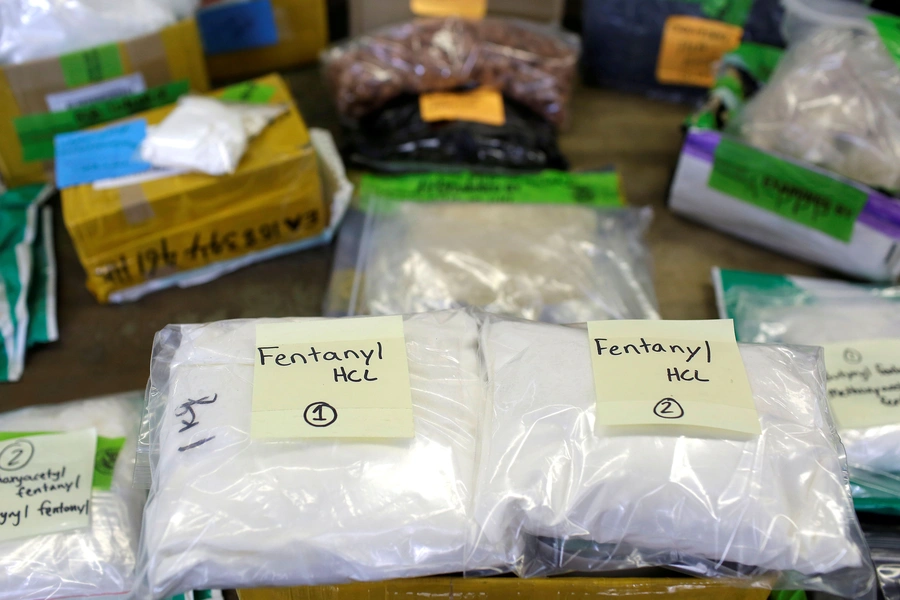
129 235
502 588
42 98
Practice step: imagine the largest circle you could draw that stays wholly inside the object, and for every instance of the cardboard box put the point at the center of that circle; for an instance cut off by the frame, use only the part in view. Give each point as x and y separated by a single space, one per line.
504 588
131 235
368 15
300 34
85 85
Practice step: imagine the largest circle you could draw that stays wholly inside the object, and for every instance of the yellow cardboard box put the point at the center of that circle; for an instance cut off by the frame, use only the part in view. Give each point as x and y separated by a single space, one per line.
302 34
504 588
167 63
133 234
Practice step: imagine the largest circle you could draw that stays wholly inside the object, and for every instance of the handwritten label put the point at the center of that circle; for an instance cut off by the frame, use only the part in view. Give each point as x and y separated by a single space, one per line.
236 26
864 382
791 191
691 47
484 105
45 483
683 373
107 90
334 378
467 9
86 156
188 412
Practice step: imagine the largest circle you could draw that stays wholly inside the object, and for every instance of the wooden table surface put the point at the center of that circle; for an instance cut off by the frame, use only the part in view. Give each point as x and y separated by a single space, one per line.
106 349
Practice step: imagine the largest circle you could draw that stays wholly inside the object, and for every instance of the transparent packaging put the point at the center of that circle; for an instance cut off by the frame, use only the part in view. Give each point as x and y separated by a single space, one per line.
553 262
533 65
229 511
35 29
559 493
206 135
825 315
84 563
884 545
834 101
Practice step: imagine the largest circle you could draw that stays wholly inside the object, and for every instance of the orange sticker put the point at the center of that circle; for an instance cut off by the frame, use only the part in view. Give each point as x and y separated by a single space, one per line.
484 105
691 47
467 9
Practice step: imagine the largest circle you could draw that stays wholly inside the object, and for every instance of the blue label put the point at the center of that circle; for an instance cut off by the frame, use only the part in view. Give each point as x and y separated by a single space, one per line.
237 26
86 156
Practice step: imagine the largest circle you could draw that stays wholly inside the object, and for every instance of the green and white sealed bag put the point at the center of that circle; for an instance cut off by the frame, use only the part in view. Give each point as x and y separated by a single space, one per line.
27 276
859 327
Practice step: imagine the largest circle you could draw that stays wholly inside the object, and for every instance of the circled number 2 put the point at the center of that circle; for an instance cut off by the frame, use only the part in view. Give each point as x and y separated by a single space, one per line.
668 408
320 414
16 455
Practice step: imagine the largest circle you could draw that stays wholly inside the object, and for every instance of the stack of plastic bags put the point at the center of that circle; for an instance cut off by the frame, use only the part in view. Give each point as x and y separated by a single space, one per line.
27 276
380 82
508 471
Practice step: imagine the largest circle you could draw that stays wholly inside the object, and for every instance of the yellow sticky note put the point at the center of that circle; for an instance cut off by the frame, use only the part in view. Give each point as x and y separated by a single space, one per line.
45 483
484 105
467 9
691 47
864 382
334 378
671 373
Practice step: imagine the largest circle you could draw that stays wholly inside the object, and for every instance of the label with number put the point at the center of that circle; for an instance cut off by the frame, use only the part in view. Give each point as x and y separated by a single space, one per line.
45 483
684 374
864 382
334 378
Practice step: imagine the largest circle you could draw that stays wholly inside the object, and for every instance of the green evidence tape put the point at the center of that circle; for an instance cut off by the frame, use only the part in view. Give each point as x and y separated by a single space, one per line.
108 450
791 191
249 92
90 66
735 12
36 132
547 187
888 28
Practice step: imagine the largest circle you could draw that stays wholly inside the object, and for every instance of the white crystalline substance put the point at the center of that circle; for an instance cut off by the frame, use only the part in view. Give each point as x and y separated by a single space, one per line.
234 512
834 101
83 563
777 502
206 135
563 264
877 448
35 29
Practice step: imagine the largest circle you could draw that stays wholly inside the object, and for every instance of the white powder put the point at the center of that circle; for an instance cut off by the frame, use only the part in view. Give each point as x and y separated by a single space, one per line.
206 135
234 512
834 319
83 563
776 503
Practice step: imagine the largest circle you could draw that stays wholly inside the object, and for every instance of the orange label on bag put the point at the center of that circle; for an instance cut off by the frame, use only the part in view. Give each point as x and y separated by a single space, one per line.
467 9
484 105
691 47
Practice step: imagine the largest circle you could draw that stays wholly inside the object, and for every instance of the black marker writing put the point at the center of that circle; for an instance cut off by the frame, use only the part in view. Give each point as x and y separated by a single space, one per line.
645 347
196 444
187 408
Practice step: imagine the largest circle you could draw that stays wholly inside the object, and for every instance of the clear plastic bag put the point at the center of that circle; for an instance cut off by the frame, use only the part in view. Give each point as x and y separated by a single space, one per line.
834 101
884 545
237 512
551 262
531 64
575 497
206 135
82 563
396 139
34 29
838 313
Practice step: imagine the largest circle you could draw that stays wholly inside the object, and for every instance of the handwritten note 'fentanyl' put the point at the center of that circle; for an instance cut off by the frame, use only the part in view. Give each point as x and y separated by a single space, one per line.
334 378
675 373
864 382
45 483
